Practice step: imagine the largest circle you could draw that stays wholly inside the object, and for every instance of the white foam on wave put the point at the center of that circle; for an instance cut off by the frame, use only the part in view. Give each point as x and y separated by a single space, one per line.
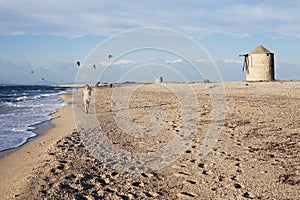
21 98
11 104
17 124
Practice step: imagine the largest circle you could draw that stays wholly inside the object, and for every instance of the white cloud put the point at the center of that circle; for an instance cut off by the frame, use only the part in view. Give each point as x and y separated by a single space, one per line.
203 61
104 18
116 63
174 61
233 61
104 63
124 62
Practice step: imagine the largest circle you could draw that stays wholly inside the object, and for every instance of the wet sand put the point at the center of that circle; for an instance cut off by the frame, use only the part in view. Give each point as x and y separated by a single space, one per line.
256 156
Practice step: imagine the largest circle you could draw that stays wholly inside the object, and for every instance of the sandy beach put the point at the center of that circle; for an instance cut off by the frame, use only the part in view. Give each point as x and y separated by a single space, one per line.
256 155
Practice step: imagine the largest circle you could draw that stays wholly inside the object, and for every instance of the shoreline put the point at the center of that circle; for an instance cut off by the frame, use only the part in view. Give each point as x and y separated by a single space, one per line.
39 129
18 164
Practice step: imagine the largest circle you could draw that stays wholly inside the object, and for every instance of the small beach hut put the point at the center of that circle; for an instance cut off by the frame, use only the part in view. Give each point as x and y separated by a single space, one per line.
159 79
259 65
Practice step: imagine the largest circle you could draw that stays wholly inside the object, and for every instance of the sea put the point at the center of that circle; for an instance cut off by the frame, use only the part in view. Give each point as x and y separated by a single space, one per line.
23 107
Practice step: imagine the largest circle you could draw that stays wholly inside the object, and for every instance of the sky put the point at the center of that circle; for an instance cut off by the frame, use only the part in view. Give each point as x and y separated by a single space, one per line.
41 41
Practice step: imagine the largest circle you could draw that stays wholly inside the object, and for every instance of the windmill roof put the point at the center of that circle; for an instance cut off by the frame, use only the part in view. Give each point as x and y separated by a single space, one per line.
260 50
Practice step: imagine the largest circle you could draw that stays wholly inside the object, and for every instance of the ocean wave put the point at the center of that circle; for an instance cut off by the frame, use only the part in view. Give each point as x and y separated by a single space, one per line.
11 104
21 98
24 110
13 140
19 129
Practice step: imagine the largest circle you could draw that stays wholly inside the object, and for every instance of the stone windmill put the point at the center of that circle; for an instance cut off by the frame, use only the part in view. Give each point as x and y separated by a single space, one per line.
259 65
159 79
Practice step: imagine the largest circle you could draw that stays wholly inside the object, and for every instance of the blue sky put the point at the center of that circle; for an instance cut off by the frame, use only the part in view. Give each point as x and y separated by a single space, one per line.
48 37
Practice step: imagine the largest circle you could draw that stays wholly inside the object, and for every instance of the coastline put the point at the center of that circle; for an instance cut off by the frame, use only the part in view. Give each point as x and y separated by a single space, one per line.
40 129
18 165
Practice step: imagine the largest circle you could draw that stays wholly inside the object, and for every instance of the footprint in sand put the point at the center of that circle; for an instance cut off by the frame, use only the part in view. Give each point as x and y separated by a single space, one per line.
113 174
62 161
221 178
137 184
201 165
193 182
184 195
178 166
110 190
103 182
246 195
70 176
53 171
205 172
147 175
60 167
181 174
153 194
237 186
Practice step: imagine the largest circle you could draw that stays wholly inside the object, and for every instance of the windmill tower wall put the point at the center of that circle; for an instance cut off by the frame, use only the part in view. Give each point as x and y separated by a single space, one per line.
260 65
